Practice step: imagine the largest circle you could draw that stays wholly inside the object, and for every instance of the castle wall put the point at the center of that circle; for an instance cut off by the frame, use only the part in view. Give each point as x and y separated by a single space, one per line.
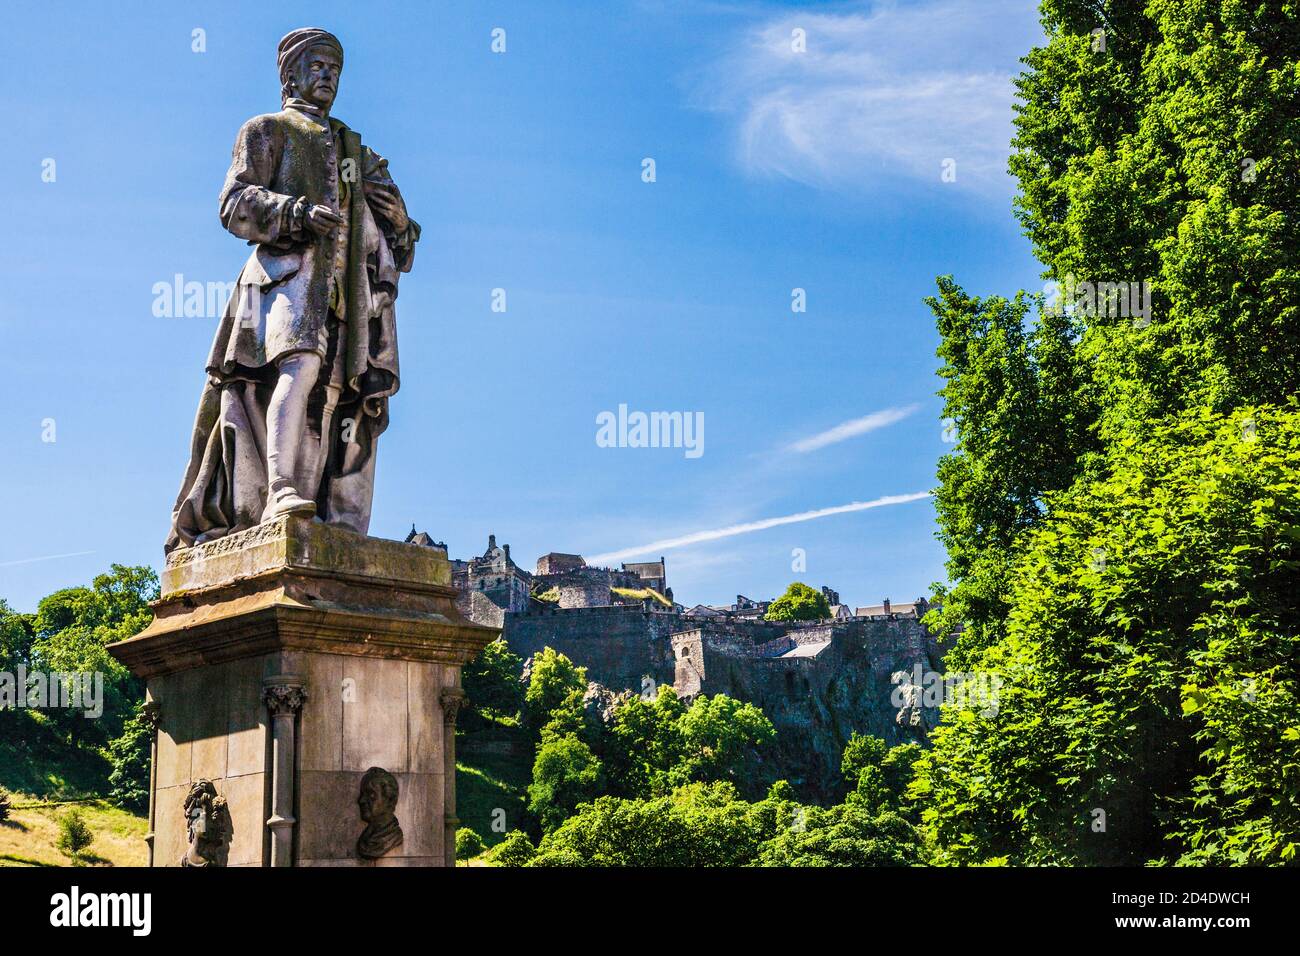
587 587
815 702
817 683
618 644
585 593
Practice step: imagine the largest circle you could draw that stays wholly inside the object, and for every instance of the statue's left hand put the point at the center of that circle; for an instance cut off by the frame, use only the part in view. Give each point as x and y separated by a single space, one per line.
389 204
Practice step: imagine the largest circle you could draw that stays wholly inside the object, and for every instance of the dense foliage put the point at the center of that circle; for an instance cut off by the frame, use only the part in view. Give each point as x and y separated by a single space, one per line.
655 781
644 746
491 680
710 824
552 678
1121 510
129 755
69 634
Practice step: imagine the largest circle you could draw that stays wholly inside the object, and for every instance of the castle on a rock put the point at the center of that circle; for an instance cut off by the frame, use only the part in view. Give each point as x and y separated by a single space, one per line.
821 680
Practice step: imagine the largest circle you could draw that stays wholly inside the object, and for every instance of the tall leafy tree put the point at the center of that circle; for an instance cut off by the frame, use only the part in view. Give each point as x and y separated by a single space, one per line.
491 680
565 774
721 738
129 756
645 744
1136 589
71 631
1011 395
552 678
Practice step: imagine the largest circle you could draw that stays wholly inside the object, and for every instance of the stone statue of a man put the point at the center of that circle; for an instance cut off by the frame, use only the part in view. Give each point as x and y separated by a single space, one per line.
305 356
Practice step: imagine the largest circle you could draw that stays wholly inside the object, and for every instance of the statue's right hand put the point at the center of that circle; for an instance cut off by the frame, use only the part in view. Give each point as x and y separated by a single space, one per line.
323 220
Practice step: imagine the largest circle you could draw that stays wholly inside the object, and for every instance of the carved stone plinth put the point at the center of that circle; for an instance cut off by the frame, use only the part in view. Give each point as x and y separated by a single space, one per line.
283 664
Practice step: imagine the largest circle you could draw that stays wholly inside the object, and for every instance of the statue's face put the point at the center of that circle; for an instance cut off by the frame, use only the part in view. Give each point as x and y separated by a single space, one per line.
316 76
371 801
197 817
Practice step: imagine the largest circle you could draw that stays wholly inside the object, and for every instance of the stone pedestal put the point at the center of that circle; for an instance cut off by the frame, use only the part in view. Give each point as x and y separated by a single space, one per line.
285 662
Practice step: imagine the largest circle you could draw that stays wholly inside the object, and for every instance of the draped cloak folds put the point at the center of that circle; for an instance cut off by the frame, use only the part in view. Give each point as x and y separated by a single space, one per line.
281 164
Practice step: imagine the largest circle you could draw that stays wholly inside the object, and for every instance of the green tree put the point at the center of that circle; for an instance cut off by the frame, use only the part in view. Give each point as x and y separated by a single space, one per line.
15 638
860 752
1137 596
129 756
899 769
16 635
645 744
799 603
74 834
851 834
552 678
1022 432
876 775
117 601
62 747
657 745
72 629
468 844
696 825
707 824
515 849
492 682
721 737
79 650
1151 668
572 718
860 766
565 774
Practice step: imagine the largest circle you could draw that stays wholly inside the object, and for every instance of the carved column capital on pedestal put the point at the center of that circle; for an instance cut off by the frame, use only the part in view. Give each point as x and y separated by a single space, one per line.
452 699
283 695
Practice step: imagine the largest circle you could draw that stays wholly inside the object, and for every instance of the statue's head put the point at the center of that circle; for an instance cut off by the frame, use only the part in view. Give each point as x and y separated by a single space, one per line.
206 822
199 809
377 800
310 61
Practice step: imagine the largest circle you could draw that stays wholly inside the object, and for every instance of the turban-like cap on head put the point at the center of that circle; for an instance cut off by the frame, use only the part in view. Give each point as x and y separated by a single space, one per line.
298 42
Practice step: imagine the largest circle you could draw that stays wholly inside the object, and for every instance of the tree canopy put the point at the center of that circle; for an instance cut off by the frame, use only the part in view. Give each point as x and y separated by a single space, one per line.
1121 506
799 603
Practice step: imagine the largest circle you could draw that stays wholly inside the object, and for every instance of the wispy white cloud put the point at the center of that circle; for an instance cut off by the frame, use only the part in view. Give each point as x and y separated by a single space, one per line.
852 429
890 90
667 544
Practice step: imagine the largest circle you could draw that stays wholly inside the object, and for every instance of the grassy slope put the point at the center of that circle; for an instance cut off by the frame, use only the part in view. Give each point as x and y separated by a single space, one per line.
494 766
27 838
35 760
37 766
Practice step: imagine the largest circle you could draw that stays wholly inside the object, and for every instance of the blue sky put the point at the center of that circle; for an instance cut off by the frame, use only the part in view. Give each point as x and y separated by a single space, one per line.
775 170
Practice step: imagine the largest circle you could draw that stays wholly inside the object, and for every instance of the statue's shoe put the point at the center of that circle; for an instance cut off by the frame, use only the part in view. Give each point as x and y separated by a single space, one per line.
287 502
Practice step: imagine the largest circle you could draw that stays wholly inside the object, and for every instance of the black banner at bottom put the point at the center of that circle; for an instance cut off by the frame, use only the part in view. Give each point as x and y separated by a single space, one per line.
129 905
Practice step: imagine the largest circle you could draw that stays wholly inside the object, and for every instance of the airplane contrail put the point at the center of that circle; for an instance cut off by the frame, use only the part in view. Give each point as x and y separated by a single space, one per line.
760 525
853 428
48 557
